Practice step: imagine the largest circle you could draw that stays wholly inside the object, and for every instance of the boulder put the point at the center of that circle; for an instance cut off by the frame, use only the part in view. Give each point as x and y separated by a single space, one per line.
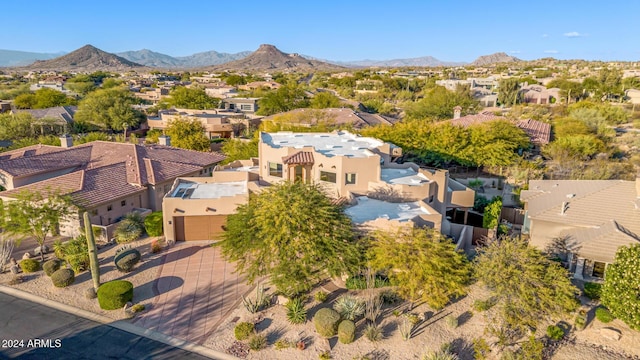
15 269
36 251
611 333
90 293
26 256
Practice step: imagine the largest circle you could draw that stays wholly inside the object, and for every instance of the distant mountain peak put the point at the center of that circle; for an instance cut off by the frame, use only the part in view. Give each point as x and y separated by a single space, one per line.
269 57
86 58
495 58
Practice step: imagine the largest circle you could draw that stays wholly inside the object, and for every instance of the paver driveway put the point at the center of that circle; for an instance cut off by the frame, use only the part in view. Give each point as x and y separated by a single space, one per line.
196 288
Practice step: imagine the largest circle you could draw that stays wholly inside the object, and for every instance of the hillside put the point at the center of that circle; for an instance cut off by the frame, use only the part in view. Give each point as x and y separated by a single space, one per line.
427 61
22 58
155 59
269 58
495 58
87 58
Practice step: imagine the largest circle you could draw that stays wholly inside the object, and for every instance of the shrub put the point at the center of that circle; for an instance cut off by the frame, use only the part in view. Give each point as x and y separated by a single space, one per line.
604 315
260 302
484 305
580 321
480 349
155 247
243 330
75 252
129 229
325 355
555 332
346 331
126 260
114 294
359 282
326 322
153 223
349 307
283 344
301 345
51 266
137 308
452 321
63 278
296 313
390 297
406 328
29 265
257 342
373 333
440 355
321 296
592 290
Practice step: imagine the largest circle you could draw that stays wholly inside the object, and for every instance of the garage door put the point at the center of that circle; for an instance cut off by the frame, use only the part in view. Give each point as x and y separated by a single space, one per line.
199 227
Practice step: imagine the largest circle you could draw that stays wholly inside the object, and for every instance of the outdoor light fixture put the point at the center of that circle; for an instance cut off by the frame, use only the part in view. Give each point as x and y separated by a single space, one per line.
178 210
210 209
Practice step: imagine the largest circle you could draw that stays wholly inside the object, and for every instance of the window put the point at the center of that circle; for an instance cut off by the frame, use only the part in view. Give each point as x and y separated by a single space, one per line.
328 176
349 179
110 207
123 203
246 107
275 169
598 269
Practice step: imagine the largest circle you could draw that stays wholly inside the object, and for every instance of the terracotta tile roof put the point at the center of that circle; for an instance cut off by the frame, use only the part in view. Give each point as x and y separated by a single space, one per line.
301 157
99 171
64 114
469 120
538 131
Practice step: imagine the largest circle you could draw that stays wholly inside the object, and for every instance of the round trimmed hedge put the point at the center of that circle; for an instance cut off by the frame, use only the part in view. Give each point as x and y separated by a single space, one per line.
63 278
126 260
29 265
115 294
51 266
346 331
326 322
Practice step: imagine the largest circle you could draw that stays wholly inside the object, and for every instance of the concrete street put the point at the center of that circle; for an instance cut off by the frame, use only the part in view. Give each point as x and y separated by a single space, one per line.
67 336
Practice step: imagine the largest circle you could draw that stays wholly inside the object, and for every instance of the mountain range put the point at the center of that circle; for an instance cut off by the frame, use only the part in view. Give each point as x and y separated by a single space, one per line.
267 57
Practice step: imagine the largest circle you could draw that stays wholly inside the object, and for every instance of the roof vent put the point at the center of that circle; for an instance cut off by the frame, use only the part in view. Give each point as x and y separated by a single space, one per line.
565 207
569 196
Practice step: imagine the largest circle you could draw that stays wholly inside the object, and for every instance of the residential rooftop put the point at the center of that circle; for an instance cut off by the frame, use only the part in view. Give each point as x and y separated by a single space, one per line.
193 190
368 209
341 143
402 176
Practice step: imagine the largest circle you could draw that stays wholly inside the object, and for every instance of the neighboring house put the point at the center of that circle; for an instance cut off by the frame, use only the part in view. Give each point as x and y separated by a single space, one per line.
153 95
538 94
484 96
220 91
330 116
244 105
259 85
539 132
351 169
595 217
54 85
216 123
61 116
107 179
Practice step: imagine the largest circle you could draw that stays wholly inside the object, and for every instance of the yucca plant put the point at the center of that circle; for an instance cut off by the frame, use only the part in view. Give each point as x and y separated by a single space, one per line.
261 301
406 327
296 313
373 333
349 307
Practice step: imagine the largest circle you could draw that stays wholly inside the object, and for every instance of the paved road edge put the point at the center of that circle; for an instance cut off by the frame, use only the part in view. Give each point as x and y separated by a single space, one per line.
120 324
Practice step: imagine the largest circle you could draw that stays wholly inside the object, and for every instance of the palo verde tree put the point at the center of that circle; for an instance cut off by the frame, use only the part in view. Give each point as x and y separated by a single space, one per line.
188 134
109 109
292 233
621 290
530 288
509 92
422 264
190 98
34 214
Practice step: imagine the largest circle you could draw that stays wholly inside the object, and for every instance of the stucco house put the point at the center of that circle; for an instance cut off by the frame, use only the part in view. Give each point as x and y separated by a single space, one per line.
354 170
106 179
594 217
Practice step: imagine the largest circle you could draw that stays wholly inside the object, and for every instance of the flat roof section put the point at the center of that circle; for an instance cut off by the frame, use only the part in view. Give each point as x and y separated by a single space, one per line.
369 209
402 176
342 143
192 190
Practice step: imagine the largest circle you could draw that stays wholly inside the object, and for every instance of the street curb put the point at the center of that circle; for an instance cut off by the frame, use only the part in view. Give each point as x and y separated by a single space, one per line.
120 325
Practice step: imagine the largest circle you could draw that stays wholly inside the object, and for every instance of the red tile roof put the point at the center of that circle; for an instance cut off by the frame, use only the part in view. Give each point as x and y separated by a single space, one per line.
301 157
100 171
538 131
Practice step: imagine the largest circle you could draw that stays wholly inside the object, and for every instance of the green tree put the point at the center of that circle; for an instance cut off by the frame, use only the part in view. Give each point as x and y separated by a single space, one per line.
235 149
287 97
34 214
323 100
422 264
191 98
188 134
109 109
17 126
509 92
292 233
621 289
492 212
438 104
530 289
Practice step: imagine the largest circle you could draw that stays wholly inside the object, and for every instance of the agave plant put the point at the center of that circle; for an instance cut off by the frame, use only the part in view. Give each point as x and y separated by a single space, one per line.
296 313
349 307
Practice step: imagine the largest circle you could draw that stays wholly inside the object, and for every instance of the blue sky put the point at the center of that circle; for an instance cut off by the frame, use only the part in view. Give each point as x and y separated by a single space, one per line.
328 29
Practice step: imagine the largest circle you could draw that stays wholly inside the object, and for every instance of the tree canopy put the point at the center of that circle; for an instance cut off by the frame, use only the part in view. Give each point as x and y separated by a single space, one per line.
42 99
422 264
34 214
323 100
292 233
109 109
621 289
188 134
509 92
285 98
529 287
235 149
191 98
438 104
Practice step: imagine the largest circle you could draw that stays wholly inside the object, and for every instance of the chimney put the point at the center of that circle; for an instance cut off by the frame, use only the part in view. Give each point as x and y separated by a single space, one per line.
164 140
66 141
456 112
